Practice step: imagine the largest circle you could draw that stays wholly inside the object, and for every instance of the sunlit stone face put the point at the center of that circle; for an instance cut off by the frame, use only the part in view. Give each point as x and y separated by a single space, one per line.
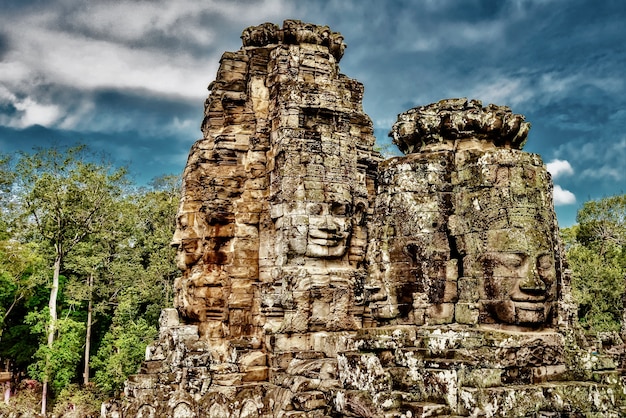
188 239
519 280
323 231
329 229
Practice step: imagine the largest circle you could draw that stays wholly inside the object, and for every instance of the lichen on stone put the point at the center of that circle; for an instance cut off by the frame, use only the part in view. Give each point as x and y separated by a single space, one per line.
318 280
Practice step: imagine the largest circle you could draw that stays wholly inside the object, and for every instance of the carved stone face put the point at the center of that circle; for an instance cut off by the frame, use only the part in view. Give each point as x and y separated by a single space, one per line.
519 281
188 239
524 282
329 229
323 232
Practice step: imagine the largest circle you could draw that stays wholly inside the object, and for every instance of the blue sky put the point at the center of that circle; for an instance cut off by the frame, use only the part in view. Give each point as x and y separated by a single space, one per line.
130 76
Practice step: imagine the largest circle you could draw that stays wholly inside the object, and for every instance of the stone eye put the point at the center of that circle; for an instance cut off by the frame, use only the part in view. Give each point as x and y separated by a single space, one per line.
512 260
340 209
544 262
190 245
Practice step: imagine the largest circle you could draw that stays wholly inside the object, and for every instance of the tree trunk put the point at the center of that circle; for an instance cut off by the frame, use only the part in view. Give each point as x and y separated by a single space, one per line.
88 333
52 305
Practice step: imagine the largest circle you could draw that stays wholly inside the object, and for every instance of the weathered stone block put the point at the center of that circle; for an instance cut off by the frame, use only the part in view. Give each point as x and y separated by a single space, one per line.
323 282
466 313
440 313
480 378
228 379
255 374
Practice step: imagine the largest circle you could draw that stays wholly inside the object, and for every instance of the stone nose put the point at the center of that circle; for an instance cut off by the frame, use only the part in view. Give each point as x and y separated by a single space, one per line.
176 239
328 224
533 283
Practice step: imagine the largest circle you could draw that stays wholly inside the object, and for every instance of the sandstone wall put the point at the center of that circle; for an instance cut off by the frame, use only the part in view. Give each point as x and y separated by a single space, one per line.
320 281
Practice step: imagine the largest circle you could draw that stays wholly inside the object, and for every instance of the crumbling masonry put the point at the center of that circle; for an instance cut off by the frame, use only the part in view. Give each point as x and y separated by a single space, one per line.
320 281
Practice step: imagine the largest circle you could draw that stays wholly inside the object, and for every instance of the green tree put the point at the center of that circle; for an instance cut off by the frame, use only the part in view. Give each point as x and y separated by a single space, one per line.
56 363
602 224
90 287
63 198
23 277
123 347
141 278
7 177
21 272
85 262
596 252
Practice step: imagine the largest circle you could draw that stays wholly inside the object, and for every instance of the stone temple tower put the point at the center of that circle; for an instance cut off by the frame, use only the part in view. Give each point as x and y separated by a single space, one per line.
318 280
275 193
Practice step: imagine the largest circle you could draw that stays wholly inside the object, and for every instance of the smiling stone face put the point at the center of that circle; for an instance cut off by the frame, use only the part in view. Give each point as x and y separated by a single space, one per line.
328 230
518 285
188 239
505 232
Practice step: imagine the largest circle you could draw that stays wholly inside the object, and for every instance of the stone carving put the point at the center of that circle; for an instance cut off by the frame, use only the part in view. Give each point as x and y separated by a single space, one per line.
318 280
441 124
481 244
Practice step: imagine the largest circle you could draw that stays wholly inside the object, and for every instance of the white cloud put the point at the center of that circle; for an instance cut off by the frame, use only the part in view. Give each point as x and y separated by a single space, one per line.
563 197
559 168
456 34
554 84
612 173
81 116
527 87
34 113
178 125
102 46
87 63
28 112
602 160
503 89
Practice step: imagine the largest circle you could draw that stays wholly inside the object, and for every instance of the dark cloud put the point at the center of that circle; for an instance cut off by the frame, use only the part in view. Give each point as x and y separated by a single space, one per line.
4 45
559 63
145 107
8 109
13 6
13 140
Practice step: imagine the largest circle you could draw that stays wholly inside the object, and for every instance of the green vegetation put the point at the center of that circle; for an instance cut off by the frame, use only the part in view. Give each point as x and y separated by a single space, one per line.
596 253
85 269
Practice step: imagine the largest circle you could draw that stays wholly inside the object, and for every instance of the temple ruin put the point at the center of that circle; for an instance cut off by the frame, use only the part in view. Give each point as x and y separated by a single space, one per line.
319 280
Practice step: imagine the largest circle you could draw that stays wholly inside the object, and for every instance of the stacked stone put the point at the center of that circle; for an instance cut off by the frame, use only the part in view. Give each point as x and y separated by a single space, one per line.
452 121
225 188
322 169
302 296
177 369
504 346
412 277
495 211
286 145
322 162
225 181
461 371
502 210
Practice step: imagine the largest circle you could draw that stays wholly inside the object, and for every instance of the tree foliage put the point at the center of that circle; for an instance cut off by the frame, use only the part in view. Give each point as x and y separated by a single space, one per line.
110 243
596 252
56 364
73 225
21 272
63 198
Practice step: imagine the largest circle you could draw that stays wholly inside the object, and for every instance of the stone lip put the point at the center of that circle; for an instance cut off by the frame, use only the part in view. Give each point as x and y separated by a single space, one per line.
294 32
444 124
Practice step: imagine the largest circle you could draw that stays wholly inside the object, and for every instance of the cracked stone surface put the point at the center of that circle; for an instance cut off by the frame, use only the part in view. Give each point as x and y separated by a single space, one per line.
319 280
